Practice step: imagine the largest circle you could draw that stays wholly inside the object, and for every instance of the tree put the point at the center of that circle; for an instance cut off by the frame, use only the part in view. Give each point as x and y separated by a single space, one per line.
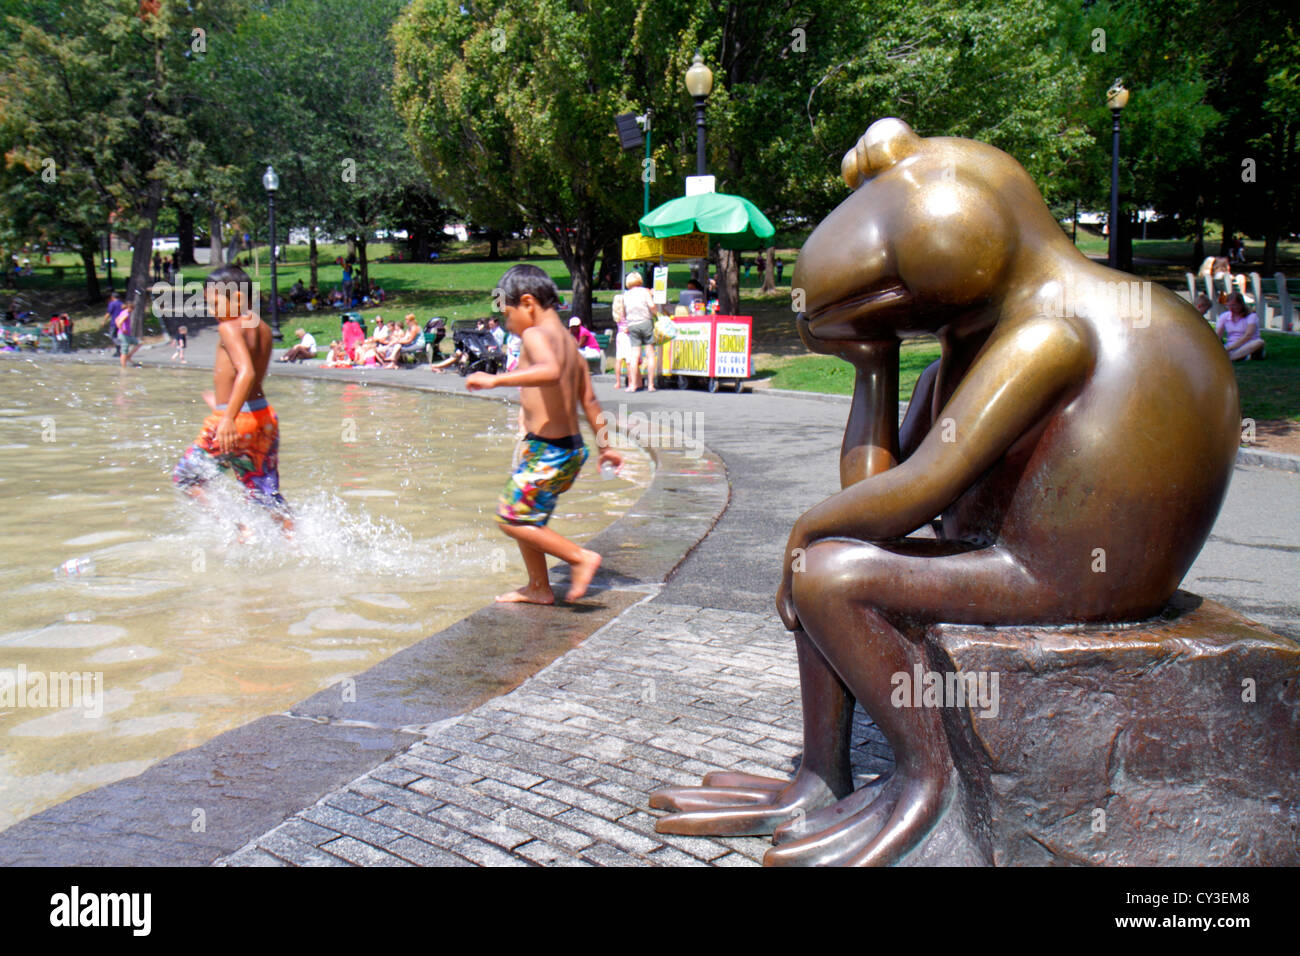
1281 113
1209 82
51 182
323 115
510 105
100 88
418 211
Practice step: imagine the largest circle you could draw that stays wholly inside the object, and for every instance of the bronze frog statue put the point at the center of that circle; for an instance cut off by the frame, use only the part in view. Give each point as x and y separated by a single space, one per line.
1070 450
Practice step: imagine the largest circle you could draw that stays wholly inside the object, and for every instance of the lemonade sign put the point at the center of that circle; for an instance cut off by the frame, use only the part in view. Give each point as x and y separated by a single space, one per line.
688 354
731 355
710 347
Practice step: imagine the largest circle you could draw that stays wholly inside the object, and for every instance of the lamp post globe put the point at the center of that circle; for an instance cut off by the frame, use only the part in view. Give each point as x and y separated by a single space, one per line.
271 183
1116 100
699 83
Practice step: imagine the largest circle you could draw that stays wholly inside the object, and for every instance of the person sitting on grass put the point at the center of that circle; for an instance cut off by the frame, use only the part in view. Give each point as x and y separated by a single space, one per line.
368 353
553 383
57 330
1204 306
338 357
305 349
588 344
403 341
1241 328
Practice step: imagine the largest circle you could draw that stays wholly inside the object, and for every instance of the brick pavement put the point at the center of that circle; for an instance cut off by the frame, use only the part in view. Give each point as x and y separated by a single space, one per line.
557 772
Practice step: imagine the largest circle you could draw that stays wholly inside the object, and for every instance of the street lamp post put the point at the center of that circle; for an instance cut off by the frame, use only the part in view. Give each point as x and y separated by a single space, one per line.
1116 100
271 182
699 83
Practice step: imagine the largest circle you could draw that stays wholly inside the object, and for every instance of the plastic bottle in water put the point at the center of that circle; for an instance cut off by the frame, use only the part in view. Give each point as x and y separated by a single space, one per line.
607 470
75 567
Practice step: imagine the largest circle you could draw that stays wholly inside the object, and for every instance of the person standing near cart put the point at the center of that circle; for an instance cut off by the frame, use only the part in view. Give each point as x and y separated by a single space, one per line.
639 309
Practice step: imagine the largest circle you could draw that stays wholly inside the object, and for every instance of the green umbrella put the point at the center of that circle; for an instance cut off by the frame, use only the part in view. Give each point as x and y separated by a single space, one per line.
734 221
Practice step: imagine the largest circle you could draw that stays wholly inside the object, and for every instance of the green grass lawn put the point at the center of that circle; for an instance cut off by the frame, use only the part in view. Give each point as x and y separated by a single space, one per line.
824 373
1270 390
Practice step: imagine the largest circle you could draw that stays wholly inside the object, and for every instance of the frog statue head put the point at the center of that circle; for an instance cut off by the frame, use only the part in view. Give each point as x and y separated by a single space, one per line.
934 230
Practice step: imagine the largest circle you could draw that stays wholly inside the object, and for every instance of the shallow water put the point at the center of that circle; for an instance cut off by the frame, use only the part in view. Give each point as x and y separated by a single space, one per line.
190 630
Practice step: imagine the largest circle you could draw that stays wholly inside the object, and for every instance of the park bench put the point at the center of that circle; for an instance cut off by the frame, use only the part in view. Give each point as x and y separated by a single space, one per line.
1280 318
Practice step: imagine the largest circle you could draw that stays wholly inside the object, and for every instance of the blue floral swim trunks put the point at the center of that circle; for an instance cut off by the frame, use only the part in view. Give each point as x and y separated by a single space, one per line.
547 468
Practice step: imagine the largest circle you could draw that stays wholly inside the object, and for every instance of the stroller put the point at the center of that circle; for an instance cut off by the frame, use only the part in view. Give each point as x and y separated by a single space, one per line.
479 350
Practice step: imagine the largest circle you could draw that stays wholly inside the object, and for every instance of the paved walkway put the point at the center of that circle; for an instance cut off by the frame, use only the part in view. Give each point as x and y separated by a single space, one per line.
557 771
697 675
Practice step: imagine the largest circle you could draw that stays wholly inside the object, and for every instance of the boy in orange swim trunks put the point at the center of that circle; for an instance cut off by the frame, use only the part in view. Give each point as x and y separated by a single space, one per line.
242 434
553 381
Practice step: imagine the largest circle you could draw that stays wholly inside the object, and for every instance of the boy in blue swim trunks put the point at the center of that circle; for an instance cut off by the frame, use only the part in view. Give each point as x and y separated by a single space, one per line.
553 381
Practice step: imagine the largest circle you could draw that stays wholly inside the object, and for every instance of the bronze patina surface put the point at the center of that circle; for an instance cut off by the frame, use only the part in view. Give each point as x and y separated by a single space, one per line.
1070 449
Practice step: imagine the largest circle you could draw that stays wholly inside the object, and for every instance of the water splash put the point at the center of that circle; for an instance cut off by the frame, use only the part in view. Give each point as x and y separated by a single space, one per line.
329 534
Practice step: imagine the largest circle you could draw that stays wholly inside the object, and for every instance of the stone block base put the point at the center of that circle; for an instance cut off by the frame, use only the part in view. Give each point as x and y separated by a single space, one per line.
1175 741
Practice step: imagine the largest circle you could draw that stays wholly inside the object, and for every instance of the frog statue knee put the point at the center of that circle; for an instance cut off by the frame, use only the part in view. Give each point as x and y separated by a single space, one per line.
1064 460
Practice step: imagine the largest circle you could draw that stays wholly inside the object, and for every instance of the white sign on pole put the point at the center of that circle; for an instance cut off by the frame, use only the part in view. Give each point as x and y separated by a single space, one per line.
661 285
696 185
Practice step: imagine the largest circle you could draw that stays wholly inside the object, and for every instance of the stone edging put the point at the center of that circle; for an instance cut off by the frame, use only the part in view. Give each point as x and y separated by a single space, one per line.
1276 460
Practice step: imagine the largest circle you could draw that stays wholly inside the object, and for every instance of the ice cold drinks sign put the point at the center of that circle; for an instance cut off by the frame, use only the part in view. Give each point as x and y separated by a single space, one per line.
712 346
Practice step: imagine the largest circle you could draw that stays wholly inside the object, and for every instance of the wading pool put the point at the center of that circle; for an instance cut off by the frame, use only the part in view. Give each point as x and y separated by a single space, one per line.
195 620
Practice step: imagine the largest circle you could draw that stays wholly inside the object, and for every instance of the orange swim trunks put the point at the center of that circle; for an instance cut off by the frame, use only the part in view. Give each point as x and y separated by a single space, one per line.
255 459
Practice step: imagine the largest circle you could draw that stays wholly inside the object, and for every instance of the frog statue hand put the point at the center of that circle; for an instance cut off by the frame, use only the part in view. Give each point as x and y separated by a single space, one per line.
1074 412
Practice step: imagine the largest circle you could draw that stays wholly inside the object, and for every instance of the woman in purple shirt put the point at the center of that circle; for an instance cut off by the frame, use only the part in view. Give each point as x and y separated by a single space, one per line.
1241 326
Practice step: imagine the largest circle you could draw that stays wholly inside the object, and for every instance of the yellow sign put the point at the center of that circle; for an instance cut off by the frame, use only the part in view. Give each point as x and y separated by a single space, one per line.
689 352
638 248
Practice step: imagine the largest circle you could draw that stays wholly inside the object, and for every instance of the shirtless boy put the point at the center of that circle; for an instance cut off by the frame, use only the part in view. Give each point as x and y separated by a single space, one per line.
242 434
553 381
